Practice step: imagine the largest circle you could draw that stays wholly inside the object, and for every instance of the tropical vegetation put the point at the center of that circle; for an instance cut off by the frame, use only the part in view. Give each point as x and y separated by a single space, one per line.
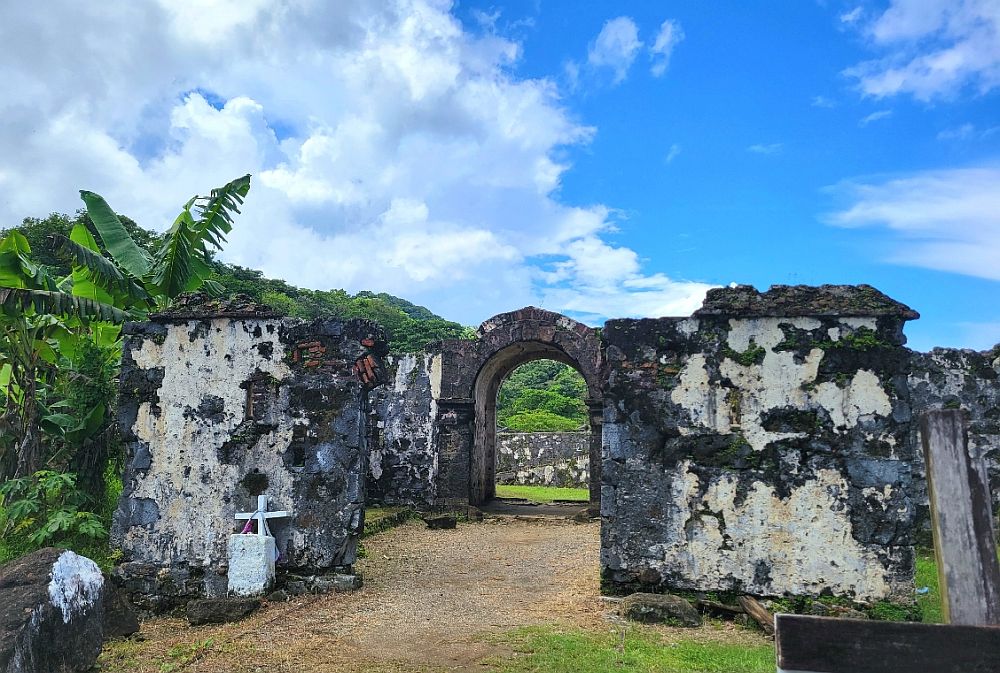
542 395
60 348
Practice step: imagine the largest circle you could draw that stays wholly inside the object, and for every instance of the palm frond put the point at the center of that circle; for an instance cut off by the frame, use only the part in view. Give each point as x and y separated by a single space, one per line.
130 257
215 212
172 270
100 267
17 301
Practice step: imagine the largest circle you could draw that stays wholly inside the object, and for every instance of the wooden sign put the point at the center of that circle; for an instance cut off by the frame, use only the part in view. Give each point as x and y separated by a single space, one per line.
807 644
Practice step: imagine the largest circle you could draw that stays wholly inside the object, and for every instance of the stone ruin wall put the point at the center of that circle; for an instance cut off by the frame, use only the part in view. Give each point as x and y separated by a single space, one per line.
765 445
756 448
218 409
403 457
544 458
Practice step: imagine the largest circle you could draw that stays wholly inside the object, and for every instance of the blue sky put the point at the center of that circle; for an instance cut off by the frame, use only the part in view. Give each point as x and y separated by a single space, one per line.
600 159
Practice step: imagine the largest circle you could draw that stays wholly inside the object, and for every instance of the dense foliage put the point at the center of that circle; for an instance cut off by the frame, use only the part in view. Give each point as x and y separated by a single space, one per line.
62 305
542 396
408 327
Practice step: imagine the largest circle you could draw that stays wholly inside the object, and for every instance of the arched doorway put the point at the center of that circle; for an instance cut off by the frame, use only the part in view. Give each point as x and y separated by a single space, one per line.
482 483
507 341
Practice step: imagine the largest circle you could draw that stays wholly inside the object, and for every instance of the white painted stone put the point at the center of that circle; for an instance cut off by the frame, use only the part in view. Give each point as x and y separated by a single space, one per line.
186 454
76 584
251 564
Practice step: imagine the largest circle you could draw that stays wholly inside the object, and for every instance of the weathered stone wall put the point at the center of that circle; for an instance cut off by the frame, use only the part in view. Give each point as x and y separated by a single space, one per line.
219 408
545 458
952 378
403 460
761 446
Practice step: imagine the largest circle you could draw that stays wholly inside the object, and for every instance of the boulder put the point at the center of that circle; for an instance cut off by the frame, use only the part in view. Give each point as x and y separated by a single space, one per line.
51 610
119 616
660 608
441 522
219 610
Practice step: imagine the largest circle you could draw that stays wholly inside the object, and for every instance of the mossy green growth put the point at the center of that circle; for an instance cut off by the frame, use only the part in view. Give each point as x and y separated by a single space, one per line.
862 339
753 355
886 611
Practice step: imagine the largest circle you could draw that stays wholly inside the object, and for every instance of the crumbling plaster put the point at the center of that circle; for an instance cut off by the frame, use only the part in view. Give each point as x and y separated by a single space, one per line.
220 407
757 450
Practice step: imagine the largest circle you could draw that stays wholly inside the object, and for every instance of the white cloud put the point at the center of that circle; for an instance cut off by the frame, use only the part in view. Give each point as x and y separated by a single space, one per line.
852 16
391 149
616 47
669 37
967 131
947 220
822 101
672 154
766 148
932 49
874 117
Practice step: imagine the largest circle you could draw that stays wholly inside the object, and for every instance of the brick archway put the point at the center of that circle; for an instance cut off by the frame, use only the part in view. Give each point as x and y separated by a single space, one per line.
474 370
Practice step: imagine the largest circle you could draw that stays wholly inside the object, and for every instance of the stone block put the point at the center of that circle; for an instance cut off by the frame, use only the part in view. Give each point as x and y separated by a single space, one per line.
251 564
660 608
441 522
219 610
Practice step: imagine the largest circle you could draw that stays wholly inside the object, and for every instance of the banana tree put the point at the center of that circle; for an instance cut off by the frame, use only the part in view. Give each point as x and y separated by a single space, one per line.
42 320
181 264
36 317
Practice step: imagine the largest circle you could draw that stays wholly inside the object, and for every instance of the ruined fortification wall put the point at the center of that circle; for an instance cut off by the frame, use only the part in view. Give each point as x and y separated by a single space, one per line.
217 409
403 457
546 458
761 446
951 378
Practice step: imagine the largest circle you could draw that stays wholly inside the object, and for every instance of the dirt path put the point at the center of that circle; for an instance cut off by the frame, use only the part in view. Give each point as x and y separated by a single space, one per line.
431 602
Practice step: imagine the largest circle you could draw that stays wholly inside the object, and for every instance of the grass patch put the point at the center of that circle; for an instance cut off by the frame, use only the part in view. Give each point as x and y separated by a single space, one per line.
927 576
543 494
548 650
379 519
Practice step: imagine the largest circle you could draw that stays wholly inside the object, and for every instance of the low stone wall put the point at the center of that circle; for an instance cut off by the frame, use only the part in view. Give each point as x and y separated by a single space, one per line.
543 458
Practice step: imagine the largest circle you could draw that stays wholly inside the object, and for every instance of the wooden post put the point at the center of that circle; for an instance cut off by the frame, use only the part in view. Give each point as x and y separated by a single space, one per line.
962 520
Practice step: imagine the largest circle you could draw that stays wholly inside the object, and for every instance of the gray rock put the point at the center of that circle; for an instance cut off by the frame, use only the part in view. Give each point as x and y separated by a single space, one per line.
441 522
220 610
660 608
296 587
119 615
51 608
279 596
824 610
338 583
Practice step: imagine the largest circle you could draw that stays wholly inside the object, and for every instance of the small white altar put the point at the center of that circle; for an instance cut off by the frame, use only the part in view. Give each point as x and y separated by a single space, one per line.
252 555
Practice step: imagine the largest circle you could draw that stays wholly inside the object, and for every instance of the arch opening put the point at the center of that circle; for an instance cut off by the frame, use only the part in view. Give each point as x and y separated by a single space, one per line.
543 433
482 482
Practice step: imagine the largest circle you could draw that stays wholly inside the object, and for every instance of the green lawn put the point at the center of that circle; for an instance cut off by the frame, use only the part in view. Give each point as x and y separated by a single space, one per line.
926 576
635 650
542 493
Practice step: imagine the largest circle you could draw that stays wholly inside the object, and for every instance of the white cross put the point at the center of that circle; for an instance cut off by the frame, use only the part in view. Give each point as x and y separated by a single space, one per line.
262 515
